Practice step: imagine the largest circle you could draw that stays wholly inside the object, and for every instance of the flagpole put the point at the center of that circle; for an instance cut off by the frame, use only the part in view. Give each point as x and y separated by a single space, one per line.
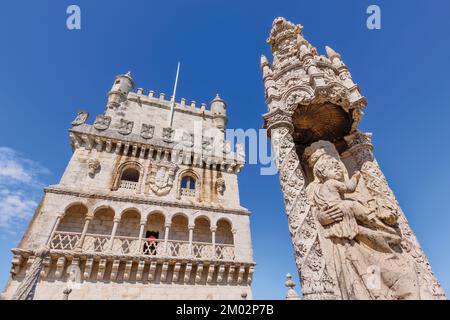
172 107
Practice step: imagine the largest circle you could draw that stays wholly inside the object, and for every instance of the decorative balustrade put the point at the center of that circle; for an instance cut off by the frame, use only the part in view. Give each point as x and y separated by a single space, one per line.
146 247
65 240
128 185
186 192
224 252
96 243
202 250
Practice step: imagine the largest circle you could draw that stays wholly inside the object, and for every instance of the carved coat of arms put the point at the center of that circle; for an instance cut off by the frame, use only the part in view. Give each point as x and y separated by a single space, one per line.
125 126
147 131
81 118
162 177
168 134
102 122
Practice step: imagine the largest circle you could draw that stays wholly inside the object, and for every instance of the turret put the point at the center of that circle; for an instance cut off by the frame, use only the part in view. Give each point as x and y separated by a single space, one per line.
121 87
219 112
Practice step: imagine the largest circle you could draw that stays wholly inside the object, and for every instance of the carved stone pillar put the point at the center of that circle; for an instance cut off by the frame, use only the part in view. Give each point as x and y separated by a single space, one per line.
316 283
27 287
213 240
113 233
191 235
80 243
141 234
166 237
55 226
314 110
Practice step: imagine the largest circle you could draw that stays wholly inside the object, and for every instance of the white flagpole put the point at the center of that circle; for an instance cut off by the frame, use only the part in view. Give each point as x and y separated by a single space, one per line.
172 107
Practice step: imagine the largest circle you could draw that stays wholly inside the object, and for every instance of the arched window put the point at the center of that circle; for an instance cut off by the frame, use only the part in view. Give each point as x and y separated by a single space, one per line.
188 185
129 179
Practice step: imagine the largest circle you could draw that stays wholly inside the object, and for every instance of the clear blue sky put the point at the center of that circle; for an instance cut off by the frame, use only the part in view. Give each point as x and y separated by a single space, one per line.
48 73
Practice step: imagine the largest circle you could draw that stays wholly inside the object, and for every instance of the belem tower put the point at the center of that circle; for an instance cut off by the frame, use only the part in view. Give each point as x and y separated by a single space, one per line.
147 208
351 239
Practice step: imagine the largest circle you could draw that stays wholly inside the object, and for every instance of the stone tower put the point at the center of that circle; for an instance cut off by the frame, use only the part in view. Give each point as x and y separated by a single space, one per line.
143 210
351 239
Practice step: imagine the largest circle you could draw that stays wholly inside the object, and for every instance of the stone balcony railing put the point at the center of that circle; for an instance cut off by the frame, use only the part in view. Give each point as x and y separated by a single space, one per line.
186 192
133 246
128 185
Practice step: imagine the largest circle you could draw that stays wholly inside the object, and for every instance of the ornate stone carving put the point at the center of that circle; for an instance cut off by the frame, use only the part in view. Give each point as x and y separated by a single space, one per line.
362 237
376 184
161 177
147 131
220 186
102 122
351 240
93 167
125 126
168 135
27 287
81 118
300 76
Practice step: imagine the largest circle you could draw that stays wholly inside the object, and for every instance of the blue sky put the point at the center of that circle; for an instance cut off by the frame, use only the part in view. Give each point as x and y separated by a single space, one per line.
49 72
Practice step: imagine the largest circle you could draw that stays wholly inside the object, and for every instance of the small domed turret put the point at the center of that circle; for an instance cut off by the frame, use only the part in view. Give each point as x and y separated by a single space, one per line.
121 87
219 112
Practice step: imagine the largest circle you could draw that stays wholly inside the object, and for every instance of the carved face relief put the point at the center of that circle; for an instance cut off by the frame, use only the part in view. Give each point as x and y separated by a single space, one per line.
125 126
81 118
162 177
102 122
147 131
332 170
93 167
220 186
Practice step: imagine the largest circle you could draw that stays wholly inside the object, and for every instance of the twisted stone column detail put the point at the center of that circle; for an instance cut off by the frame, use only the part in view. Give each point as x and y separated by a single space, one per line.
303 226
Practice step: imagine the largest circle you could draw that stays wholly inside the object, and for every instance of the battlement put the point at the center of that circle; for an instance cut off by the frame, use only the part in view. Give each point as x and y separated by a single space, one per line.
161 98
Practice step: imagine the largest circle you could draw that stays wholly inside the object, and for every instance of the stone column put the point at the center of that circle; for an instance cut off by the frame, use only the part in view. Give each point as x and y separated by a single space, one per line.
166 237
53 230
213 240
191 235
361 152
315 280
113 233
27 288
141 235
87 220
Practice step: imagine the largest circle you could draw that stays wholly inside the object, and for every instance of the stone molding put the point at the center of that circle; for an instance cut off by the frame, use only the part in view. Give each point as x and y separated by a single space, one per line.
145 200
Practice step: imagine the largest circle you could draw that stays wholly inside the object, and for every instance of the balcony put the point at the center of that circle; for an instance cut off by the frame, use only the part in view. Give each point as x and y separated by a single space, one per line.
133 246
186 192
128 185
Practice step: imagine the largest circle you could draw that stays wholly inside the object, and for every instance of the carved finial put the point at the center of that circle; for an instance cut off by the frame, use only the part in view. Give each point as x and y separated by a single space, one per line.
290 284
128 74
281 29
331 53
264 61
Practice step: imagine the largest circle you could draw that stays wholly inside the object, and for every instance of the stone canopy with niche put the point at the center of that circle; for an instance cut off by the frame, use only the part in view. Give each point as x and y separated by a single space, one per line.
325 121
